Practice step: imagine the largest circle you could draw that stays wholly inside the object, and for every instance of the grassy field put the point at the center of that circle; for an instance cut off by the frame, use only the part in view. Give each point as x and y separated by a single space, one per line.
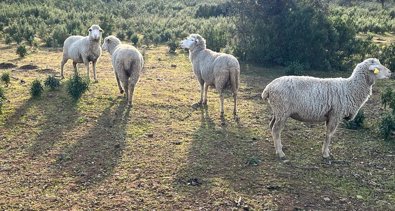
164 155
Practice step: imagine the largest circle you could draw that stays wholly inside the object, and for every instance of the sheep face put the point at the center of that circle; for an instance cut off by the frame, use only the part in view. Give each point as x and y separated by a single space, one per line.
189 42
95 32
378 70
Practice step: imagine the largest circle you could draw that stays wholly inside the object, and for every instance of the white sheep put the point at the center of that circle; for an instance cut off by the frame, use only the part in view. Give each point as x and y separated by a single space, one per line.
219 70
83 50
330 100
127 62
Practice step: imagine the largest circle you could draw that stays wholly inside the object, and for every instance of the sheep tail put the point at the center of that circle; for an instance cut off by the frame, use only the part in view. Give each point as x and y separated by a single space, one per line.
234 79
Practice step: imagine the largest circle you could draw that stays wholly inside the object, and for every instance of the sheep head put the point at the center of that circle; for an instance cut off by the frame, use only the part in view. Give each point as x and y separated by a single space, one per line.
371 69
193 41
95 32
110 43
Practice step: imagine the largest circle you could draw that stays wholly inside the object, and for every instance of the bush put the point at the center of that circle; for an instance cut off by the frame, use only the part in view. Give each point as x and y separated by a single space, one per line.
77 86
5 77
357 122
294 68
386 97
21 51
36 89
172 44
52 82
387 126
134 39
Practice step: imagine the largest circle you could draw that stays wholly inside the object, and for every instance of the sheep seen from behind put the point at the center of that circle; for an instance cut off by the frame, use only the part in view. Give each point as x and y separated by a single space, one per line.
219 70
330 100
127 62
83 50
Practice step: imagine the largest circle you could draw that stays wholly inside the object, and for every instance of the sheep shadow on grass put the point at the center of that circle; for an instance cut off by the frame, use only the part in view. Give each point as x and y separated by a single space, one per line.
221 158
93 156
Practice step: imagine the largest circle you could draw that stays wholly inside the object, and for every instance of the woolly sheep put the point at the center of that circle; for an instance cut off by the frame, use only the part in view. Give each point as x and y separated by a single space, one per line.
310 99
83 50
219 70
127 62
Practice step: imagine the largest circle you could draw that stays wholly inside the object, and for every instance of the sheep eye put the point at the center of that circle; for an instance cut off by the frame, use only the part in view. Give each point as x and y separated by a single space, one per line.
90 30
101 30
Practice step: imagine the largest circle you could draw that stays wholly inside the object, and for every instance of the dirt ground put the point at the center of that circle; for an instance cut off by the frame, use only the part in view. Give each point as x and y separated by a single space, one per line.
56 154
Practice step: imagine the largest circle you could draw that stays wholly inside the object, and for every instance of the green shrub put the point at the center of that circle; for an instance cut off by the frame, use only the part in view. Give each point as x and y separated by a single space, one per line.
386 97
294 68
5 77
36 89
77 86
357 122
172 44
134 39
52 82
387 126
21 51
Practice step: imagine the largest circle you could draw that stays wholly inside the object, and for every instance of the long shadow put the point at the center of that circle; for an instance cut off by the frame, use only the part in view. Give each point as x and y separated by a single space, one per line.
60 116
51 117
220 153
94 156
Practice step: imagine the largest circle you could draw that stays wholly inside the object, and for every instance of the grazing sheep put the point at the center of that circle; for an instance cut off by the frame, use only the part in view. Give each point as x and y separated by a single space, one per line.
219 70
310 99
127 62
83 50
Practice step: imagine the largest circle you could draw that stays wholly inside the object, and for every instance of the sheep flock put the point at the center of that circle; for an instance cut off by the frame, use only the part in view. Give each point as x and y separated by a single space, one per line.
303 98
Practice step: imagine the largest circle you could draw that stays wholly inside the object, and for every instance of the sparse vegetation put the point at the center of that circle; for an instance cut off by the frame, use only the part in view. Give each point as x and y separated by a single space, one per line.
36 89
52 82
77 86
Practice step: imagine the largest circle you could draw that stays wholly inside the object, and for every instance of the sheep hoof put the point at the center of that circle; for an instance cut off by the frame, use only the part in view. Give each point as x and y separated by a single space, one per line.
197 105
327 160
121 91
96 81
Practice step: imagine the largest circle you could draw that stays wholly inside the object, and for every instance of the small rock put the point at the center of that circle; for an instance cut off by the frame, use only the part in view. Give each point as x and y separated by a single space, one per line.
327 199
177 142
173 65
359 197
22 81
150 135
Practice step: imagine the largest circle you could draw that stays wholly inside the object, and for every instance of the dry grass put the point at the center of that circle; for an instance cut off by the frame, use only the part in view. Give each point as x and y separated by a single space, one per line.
162 154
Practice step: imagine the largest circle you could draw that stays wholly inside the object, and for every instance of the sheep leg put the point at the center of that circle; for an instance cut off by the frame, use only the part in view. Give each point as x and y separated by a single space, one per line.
204 102
276 133
272 122
119 84
201 92
94 70
235 105
221 98
75 67
64 60
130 92
331 125
86 62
